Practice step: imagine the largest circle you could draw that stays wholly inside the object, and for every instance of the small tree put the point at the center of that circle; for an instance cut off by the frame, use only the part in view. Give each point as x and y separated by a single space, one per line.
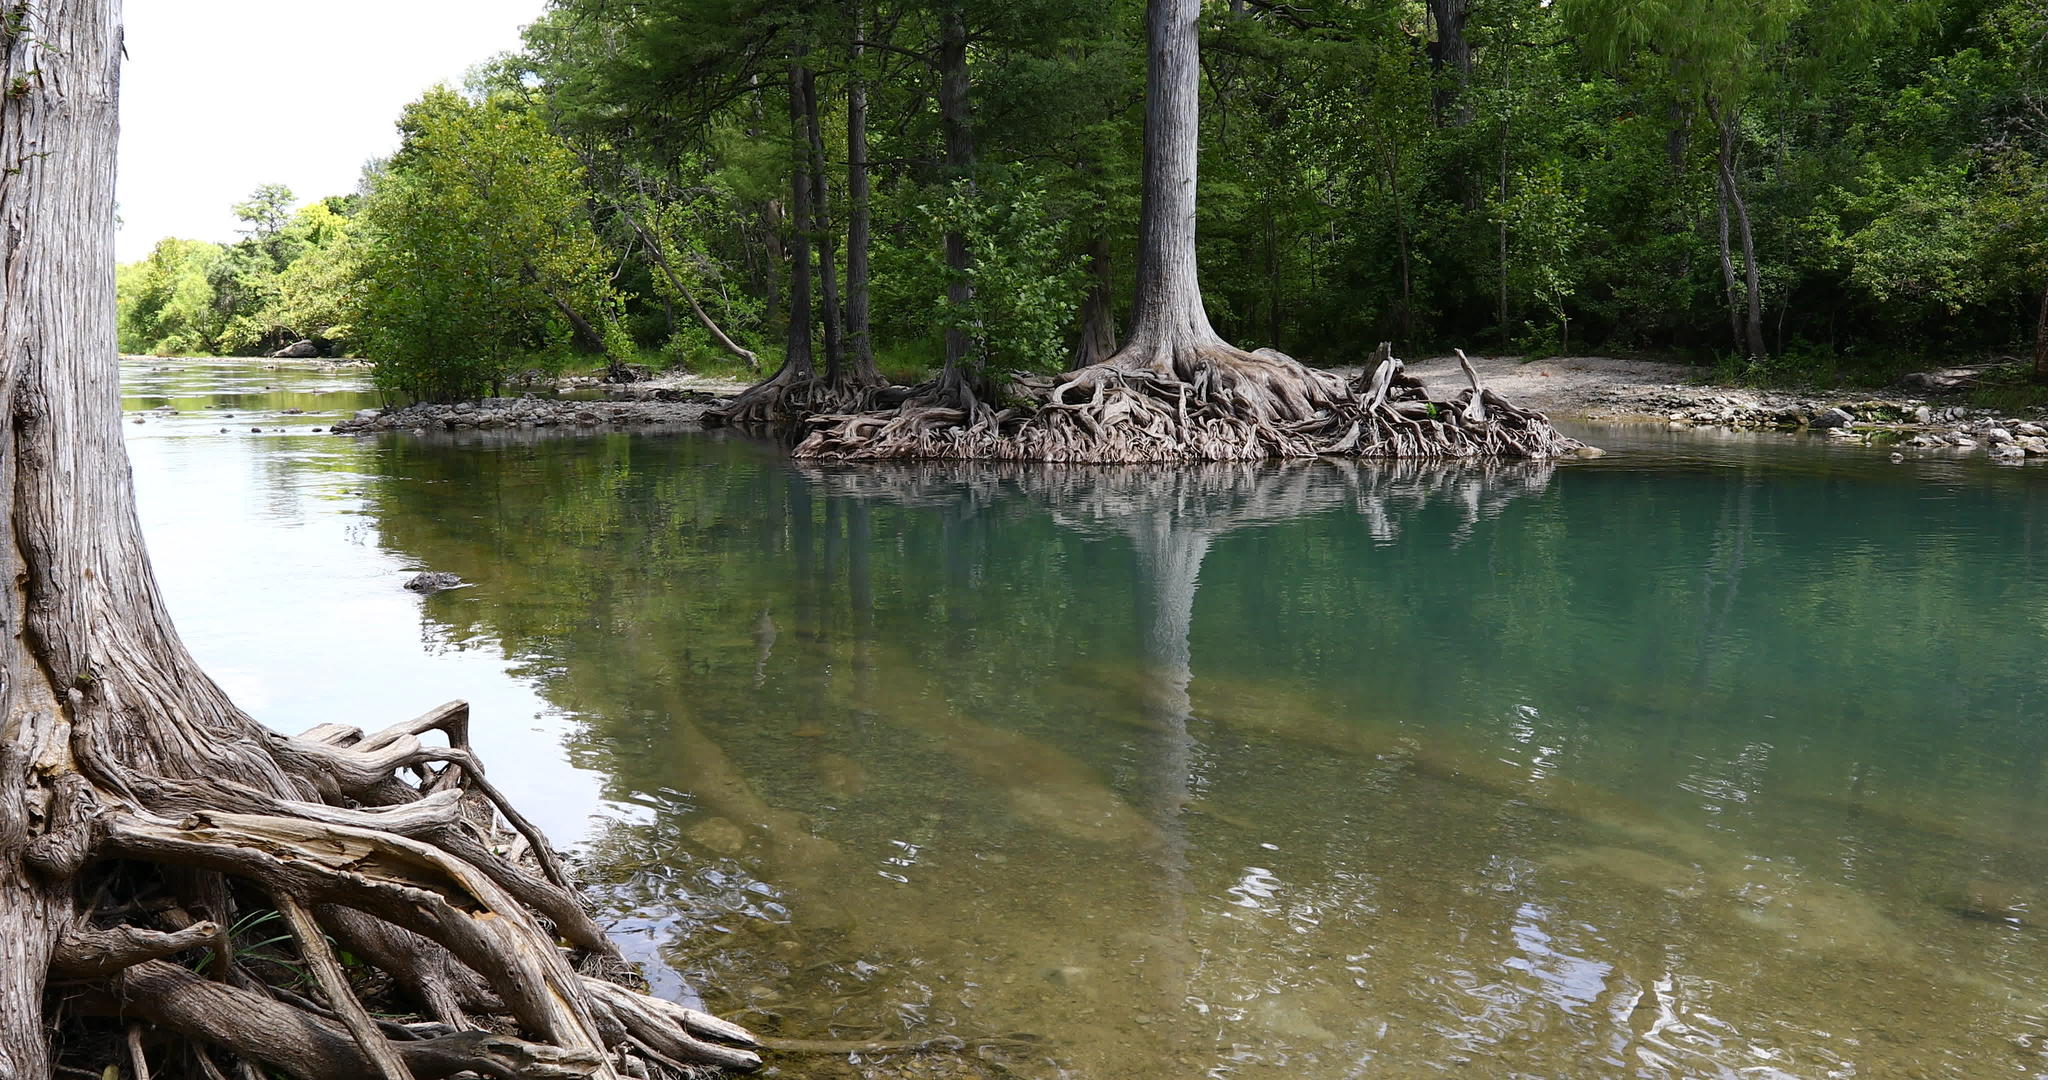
1545 221
477 251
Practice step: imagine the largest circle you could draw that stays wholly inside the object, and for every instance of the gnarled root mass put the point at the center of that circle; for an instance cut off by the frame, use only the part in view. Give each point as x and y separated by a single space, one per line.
1209 402
399 919
790 396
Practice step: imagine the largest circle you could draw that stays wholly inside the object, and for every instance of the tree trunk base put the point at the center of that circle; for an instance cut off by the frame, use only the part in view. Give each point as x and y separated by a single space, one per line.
1206 402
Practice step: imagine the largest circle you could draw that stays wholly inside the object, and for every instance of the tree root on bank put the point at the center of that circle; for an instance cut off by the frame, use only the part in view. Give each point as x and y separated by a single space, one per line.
790 397
287 932
1209 402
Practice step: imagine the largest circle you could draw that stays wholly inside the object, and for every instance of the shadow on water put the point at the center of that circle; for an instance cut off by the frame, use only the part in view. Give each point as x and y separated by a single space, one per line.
1677 765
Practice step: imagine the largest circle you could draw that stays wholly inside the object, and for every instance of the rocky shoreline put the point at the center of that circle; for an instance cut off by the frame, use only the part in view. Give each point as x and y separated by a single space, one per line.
1595 389
1926 414
1892 422
648 407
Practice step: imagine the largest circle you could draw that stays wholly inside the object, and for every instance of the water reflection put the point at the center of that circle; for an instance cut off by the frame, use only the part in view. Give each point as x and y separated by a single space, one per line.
1671 765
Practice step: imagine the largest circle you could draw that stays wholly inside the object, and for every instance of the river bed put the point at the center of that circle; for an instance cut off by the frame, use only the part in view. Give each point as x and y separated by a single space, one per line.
1720 756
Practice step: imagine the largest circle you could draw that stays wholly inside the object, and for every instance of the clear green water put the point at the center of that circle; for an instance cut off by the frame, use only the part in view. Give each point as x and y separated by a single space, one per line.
1685 762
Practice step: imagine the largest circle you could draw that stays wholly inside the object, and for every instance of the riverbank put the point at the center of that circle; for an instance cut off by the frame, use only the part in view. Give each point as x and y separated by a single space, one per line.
1613 389
1588 388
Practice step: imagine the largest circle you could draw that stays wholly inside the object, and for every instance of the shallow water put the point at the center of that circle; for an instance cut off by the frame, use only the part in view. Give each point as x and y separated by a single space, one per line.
1704 759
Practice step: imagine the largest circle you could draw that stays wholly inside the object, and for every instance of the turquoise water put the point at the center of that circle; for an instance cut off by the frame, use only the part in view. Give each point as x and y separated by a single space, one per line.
1720 756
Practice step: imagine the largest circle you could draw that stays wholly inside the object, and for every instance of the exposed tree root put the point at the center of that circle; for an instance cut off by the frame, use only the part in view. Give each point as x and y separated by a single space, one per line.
403 893
789 397
1209 402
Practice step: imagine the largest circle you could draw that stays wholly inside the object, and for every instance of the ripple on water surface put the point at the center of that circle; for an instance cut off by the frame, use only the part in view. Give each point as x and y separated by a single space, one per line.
1715 757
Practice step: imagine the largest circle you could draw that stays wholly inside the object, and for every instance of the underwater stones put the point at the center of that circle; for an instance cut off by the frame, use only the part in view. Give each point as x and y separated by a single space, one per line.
1627 865
841 775
717 835
1994 901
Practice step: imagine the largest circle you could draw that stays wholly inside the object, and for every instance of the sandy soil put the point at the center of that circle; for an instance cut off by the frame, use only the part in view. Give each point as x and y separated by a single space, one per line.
1582 386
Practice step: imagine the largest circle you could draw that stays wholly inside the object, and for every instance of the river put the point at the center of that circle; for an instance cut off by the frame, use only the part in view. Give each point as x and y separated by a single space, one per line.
1720 756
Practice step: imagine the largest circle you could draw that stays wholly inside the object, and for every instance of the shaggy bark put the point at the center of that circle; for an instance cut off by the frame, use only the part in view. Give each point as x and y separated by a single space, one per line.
141 811
1177 391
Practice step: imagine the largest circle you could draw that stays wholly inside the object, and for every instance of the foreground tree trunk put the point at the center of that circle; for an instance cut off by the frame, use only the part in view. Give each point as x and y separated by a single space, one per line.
142 814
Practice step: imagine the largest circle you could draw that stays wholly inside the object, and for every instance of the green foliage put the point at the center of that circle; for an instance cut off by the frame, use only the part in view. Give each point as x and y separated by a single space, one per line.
167 300
1026 291
287 279
476 247
1545 222
1562 191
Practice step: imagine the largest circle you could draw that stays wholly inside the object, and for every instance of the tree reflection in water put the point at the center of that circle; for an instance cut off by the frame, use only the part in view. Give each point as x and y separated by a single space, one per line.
1443 770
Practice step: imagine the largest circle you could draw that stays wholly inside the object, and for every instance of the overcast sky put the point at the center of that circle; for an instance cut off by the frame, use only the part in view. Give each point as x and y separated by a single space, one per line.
219 96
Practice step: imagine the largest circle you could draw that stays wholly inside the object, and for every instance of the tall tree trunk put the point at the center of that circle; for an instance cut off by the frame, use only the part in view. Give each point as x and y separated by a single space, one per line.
1168 318
821 228
860 348
1177 391
1730 298
1753 291
953 113
1450 51
1751 331
2041 341
797 351
1507 75
1274 300
132 789
1098 309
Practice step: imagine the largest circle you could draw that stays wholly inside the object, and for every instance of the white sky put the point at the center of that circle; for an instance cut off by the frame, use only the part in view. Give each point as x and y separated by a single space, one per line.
219 96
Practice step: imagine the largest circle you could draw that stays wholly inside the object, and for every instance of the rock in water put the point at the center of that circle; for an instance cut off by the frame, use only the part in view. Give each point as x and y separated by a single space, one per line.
1831 418
297 350
1995 901
433 581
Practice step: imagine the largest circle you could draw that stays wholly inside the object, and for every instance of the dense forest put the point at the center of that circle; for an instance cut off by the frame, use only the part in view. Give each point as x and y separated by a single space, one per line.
1794 189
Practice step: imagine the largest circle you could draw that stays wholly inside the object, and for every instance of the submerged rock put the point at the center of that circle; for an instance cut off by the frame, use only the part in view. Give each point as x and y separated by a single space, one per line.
1994 901
433 581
